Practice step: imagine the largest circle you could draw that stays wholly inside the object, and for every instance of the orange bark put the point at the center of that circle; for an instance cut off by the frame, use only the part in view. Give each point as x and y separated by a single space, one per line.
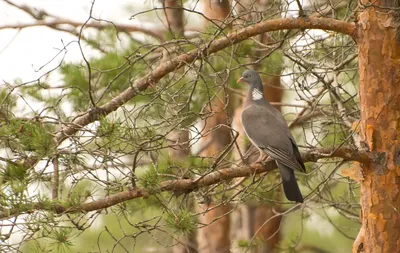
379 67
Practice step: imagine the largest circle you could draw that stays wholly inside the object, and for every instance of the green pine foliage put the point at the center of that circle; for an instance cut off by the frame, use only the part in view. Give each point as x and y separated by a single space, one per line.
27 136
8 101
109 75
182 221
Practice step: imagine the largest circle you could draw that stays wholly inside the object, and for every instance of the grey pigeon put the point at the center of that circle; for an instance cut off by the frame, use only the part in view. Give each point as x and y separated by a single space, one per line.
268 131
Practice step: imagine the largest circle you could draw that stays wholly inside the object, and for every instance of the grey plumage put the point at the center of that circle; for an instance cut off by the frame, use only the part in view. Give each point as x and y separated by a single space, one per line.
268 131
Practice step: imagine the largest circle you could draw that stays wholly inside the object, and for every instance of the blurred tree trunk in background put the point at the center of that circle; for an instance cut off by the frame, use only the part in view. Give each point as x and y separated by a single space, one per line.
187 243
174 17
379 69
173 12
216 236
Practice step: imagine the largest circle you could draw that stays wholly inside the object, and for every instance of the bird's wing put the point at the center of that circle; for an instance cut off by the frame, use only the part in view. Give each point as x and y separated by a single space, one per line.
270 134
283 157
296 153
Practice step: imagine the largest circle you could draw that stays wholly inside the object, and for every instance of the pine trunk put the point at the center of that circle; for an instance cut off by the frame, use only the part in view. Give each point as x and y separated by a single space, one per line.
215 237
379 67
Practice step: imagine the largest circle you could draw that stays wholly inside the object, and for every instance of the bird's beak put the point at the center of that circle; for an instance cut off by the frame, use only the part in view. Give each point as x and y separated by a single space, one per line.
240 79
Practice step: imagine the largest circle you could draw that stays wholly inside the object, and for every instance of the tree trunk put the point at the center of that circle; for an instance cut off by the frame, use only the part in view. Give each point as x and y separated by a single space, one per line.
269 233
379 67
187 243
173 11
216 236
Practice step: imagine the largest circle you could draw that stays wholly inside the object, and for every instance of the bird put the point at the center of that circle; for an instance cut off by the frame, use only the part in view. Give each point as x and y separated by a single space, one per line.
267 129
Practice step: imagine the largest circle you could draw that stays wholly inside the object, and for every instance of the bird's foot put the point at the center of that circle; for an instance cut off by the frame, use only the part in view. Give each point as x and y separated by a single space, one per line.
261 158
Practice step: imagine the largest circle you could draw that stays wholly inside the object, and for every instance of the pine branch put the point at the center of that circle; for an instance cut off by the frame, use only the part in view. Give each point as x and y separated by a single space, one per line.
202 52
189 185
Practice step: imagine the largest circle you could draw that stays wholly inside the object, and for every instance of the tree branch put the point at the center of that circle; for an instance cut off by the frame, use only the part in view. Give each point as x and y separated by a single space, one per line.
203 51
188 185
155 32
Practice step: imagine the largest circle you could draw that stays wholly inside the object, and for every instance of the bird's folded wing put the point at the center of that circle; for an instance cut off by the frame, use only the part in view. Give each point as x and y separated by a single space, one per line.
264 130
270 135
299 159
283 157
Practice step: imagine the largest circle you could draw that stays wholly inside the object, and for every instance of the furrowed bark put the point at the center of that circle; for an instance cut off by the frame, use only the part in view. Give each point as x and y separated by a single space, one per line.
379 67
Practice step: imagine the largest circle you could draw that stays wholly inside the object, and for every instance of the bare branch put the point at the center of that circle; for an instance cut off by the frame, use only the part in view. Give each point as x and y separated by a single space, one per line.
155 32
203 51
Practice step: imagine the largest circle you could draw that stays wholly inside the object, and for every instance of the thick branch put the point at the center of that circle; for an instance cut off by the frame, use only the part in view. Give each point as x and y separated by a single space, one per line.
203 51
188 185
184 185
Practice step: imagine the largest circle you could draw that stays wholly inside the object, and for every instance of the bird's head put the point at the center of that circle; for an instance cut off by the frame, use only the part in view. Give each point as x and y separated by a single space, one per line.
250 76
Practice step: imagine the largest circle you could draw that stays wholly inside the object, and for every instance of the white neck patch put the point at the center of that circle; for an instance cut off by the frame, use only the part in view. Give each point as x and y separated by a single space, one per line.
257 94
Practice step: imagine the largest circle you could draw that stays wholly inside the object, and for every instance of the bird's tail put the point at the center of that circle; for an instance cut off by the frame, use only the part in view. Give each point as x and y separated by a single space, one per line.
290 186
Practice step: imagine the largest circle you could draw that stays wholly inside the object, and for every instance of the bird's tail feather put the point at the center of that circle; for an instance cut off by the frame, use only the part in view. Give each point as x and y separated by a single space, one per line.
290 186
